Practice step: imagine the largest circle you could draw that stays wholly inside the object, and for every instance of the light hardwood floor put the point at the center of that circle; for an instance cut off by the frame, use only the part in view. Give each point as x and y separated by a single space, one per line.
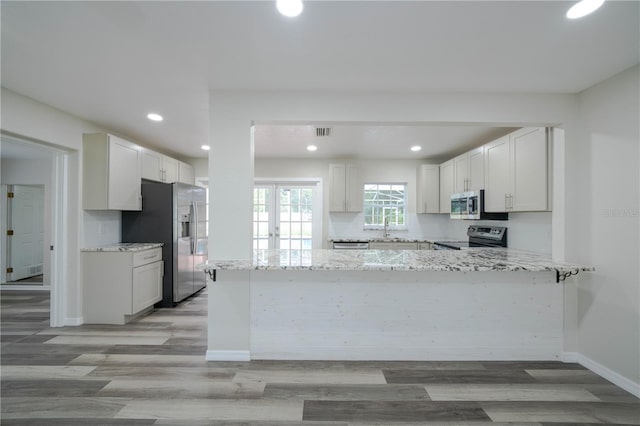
153 372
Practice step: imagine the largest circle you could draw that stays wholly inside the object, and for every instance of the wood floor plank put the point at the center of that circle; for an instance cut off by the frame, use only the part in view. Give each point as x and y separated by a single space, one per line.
509 392
408 376
51 387
208 409
392 411
346 392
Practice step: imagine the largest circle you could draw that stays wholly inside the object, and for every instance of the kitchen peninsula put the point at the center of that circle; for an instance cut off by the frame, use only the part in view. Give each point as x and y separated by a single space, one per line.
493 304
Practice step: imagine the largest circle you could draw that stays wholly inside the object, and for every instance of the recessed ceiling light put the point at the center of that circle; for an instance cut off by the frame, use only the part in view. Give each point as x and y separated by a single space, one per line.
290 8
416 148
583 8
154 117
206 147
312 148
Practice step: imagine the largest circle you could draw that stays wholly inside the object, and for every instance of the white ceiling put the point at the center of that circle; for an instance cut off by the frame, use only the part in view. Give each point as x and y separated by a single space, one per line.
113 62
438 143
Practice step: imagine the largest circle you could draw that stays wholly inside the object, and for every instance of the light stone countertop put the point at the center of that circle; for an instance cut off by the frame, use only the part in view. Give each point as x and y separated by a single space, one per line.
392 239
470 260
130 247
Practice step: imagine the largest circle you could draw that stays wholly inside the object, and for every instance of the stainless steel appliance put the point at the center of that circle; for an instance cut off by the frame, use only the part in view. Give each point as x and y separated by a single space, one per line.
470 205
479 237
173 214
351 245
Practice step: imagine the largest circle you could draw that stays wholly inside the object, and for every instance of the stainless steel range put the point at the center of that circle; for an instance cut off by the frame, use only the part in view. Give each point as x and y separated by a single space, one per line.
479 236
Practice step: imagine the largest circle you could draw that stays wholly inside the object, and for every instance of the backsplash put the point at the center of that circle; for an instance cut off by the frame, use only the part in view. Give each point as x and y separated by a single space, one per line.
351 225
101 227
526 231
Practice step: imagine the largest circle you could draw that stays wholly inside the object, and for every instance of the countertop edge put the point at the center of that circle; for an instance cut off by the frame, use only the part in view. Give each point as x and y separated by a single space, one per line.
121 248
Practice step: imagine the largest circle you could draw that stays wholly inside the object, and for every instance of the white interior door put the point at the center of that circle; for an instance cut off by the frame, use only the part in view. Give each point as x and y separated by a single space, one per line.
286 217
26 221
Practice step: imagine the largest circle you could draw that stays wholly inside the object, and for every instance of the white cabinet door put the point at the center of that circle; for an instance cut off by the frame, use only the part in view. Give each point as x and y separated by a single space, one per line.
345 188
428 189
497 175
186 174
475 176
151 165
146 286
170 169
516 172
460 173
529 153
446 186
110 173
337 187
354 189
124 175
425 246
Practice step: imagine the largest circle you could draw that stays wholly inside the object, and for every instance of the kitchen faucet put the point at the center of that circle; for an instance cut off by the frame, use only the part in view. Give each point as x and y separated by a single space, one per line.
385 233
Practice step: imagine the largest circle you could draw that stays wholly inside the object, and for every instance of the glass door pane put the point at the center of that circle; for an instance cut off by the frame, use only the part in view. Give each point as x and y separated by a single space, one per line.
262 217
287 226
294 227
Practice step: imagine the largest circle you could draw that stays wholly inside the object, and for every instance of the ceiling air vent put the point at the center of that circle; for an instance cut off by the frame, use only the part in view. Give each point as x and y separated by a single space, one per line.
323 131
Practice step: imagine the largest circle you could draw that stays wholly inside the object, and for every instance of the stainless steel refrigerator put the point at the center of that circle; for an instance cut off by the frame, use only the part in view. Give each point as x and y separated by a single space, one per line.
173 214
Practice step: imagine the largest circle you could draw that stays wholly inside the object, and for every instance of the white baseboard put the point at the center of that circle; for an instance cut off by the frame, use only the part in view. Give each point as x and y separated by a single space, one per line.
605 372
74 321
228 356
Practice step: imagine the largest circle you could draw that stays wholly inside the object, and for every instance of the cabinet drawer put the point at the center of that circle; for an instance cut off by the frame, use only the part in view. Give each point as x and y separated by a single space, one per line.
147 256
146 286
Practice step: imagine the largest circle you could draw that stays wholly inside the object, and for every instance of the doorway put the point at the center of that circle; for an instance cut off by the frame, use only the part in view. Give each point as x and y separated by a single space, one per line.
34 257
287 215
24 254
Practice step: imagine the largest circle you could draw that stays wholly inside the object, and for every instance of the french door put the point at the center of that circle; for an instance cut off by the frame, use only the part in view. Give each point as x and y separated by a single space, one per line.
284 217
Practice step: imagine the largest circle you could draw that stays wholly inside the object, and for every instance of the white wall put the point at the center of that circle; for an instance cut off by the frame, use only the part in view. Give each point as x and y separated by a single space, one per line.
609 299
372 171
526 231
233 112
33 172
29 119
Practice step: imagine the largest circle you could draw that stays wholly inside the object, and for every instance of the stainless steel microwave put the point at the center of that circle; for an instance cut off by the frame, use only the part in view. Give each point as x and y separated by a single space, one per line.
470 206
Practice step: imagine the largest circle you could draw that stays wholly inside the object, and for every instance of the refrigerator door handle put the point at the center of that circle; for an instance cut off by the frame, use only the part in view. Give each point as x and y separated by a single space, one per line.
191 225
195 221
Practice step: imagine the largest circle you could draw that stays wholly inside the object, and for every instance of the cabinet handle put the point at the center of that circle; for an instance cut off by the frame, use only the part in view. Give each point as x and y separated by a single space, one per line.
149 257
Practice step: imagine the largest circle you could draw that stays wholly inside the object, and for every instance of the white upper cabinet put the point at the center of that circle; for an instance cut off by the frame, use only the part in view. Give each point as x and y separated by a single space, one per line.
498 175
529 155
475 178
186 173
460 173
516 168
159 167
446 186
111 173
469 171
345 188
428 189
151 165
170 167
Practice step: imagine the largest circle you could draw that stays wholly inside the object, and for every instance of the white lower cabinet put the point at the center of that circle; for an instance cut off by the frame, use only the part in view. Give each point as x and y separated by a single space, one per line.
425 246
120 284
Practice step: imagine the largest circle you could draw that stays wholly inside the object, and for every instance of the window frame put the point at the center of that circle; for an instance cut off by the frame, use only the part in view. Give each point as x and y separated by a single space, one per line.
404 206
